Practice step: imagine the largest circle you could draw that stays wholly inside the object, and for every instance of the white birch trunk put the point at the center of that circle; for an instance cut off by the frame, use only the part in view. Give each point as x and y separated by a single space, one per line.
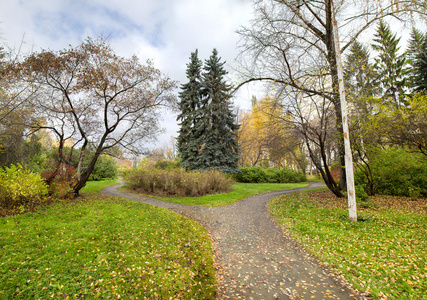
351 194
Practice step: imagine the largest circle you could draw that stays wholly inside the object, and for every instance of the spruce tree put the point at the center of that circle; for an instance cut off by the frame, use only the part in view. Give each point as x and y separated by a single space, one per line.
420 69
190 137
220 150
415 47
359 73
389 65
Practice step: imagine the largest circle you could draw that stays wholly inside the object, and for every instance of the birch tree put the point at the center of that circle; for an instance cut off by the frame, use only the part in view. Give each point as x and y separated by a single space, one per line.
288 40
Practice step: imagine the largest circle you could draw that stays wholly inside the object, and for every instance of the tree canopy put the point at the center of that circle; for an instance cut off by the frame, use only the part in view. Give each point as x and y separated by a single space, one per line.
91 98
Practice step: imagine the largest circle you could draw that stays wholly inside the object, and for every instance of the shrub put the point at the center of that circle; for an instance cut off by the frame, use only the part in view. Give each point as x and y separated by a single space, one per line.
167 164
105 168
362 198
177 182
62 182
268 175
361 194
21 187
398 173
38 163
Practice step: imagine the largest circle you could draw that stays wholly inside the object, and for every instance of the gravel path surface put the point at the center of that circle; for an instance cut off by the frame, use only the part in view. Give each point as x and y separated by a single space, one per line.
255 258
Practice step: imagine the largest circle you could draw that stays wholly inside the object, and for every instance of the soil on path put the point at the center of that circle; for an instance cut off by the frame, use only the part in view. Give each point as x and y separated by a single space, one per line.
255 258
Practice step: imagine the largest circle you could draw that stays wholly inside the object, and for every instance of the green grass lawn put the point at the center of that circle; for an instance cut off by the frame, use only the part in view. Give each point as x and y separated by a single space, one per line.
240 191
100 247
107 248
97 186
384 254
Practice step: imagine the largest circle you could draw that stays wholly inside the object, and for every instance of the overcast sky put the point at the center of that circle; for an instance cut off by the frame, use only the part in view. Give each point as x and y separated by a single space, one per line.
166 31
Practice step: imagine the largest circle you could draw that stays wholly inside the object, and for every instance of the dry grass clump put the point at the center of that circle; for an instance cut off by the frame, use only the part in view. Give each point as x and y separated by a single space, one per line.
177 182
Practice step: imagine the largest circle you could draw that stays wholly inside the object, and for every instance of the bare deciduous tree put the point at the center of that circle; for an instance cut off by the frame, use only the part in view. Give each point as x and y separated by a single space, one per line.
94 98
290 39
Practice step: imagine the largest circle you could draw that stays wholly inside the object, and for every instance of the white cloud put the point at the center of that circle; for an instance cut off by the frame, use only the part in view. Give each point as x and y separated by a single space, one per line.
165 31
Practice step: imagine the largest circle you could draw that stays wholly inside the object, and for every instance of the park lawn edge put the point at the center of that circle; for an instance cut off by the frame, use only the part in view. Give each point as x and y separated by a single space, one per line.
384 255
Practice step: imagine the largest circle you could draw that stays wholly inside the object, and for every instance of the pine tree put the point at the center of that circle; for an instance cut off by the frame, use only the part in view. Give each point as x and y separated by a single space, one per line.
190 137
220 149
389 65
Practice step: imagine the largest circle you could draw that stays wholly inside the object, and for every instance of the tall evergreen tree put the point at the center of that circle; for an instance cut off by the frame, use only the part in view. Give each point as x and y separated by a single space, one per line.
191 134
415 47
420 69
359 73
220 150
389 65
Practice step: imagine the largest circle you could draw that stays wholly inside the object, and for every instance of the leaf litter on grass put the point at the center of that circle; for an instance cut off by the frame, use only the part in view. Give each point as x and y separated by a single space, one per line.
104 248
385 255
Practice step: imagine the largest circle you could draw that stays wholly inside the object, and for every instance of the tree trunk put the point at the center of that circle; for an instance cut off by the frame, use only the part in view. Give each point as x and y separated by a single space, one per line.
80 163
323 169
60 162
348 157
341 147
85 176
332 58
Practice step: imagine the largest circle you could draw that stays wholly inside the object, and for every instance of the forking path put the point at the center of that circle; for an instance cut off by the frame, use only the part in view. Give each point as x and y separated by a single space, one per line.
255 258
